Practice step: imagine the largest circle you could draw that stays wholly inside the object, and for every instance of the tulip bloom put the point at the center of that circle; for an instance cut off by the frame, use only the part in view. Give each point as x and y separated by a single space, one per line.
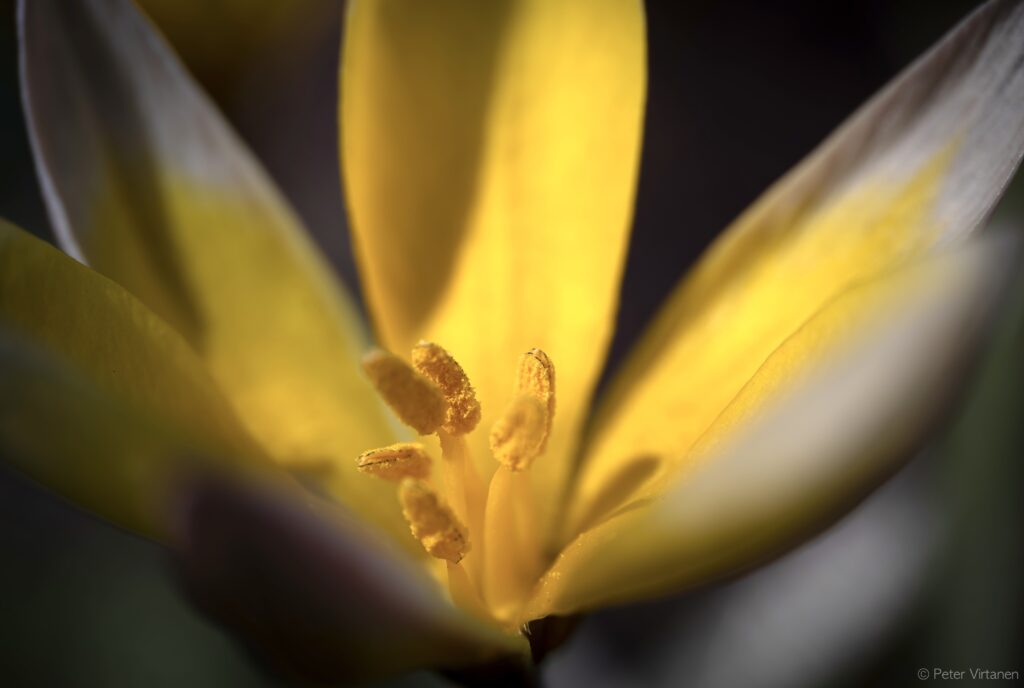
418 504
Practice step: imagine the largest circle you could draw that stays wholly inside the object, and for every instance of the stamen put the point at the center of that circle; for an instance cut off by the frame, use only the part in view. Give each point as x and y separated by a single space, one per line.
444 371
417 401
518 436
536 377
432 522
396 461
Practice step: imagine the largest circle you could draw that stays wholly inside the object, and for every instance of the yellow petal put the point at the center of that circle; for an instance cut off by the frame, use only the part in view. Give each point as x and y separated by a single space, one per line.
102 400
145 181
920 165
788 469
490 151
105 332
63 431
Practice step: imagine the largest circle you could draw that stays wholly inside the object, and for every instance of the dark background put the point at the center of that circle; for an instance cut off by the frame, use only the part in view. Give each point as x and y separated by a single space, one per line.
927 573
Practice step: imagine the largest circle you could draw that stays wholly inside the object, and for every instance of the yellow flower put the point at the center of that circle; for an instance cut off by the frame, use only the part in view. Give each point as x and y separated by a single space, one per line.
490 153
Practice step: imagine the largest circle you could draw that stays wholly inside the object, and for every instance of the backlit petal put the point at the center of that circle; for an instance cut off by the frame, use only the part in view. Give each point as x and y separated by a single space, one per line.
799 463
98 327
145 182
490 152
61 429
102 401
921 165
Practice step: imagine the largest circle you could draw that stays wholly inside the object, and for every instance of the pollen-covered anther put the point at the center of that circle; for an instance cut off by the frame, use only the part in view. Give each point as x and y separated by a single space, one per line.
536 377
396 461
417 401
432 522
435 363
517 437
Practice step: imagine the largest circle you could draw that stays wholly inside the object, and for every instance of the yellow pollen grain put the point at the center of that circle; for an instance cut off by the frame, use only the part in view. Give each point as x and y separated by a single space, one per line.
396 461
417 401
436 364
517 437
536 377
432 522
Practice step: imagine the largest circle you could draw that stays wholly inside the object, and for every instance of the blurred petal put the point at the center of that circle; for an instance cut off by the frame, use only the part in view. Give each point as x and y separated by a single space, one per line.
117 347
920 165
145 181
813 618
318 597
88 443
490 151
804 460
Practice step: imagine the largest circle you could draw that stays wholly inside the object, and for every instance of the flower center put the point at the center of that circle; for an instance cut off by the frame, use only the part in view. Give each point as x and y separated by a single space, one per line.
432 394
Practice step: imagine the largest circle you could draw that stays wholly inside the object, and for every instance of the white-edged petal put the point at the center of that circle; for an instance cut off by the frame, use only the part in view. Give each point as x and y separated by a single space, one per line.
917 168
146 182
797 464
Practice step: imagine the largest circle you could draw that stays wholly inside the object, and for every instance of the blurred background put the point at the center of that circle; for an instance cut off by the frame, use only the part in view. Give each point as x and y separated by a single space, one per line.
926 573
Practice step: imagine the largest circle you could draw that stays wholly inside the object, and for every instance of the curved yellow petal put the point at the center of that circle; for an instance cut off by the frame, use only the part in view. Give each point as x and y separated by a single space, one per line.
920 165
101 400
59 428
146 182
773 475
490 151
101 329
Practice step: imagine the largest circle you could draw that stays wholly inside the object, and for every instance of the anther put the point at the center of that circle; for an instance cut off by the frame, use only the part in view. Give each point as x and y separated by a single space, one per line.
517 437
396 461
432 522
536 377
417 401
439 367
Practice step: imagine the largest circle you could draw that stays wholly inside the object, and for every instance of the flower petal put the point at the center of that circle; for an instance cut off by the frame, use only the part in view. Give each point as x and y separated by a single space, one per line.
920 165
61 429
145 181
101 400
805 459
807 620
316 595
490 152
105 332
